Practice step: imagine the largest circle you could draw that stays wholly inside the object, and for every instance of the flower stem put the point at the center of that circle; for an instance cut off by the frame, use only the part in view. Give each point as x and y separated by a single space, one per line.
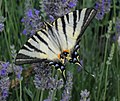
105 56
41 97
20 90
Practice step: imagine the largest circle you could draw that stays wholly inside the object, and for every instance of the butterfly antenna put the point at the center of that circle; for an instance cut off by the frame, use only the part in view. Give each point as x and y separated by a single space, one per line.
64 76
78 63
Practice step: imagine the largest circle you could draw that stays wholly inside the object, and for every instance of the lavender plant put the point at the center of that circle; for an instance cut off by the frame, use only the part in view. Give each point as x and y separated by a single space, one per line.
33 19
13 53
106 87
4 82
102 7
4 88
2 19
4 71
18 71
117 37
66 95
43 78
118 26
84 95
55 8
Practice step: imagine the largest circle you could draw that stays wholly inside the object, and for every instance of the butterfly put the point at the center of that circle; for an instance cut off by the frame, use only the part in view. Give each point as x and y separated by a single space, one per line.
57 43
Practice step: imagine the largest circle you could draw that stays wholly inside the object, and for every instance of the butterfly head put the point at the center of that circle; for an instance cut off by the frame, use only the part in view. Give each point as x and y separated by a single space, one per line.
64 56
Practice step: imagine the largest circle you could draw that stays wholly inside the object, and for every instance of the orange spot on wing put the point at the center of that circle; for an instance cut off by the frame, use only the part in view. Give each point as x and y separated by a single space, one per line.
59 56
66 50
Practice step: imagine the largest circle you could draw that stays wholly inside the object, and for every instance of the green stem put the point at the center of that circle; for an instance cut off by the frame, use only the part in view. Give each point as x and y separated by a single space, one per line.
118 80
16 91
20 90
117 54
53 95
99 86
114 8
7 43
106 77
41 97
5 34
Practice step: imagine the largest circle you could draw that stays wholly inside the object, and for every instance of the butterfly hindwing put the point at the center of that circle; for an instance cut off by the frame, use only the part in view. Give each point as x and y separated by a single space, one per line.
63 34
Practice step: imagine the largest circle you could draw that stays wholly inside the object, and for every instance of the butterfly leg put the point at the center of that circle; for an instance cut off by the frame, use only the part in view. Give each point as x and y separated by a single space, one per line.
59 66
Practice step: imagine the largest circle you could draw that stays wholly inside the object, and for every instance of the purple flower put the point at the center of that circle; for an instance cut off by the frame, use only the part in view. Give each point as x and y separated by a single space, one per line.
5 65
118 26
4 88
43 78
107 4
118 41
32 21
118 31
18 71
4 70
71 4
30 13
48 100
5 93
1 27
2 19
66 95
24 32
64 1
58 7
37 12
4 83
102 7
100 10
51 18
85 95
22 20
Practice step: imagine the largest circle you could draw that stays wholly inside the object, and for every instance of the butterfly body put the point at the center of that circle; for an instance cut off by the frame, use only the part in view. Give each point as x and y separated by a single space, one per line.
57 42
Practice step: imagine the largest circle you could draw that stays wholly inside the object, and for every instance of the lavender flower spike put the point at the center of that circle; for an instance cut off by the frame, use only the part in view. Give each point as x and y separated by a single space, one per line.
18 71
4 88
102 7
4 71
2 19
85 95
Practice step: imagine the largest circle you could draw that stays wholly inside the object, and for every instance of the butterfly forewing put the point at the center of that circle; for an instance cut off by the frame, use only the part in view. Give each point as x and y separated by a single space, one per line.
63 34
72 26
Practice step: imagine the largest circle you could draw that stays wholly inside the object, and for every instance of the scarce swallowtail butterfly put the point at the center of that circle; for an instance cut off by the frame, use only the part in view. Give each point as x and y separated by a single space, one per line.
57 42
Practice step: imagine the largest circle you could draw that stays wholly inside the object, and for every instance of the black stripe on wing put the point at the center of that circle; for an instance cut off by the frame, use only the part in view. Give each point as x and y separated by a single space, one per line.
67 17
33 47
34 39
64 26
89 15
24 59
41 39
74 21
54 37
79 13
56 25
